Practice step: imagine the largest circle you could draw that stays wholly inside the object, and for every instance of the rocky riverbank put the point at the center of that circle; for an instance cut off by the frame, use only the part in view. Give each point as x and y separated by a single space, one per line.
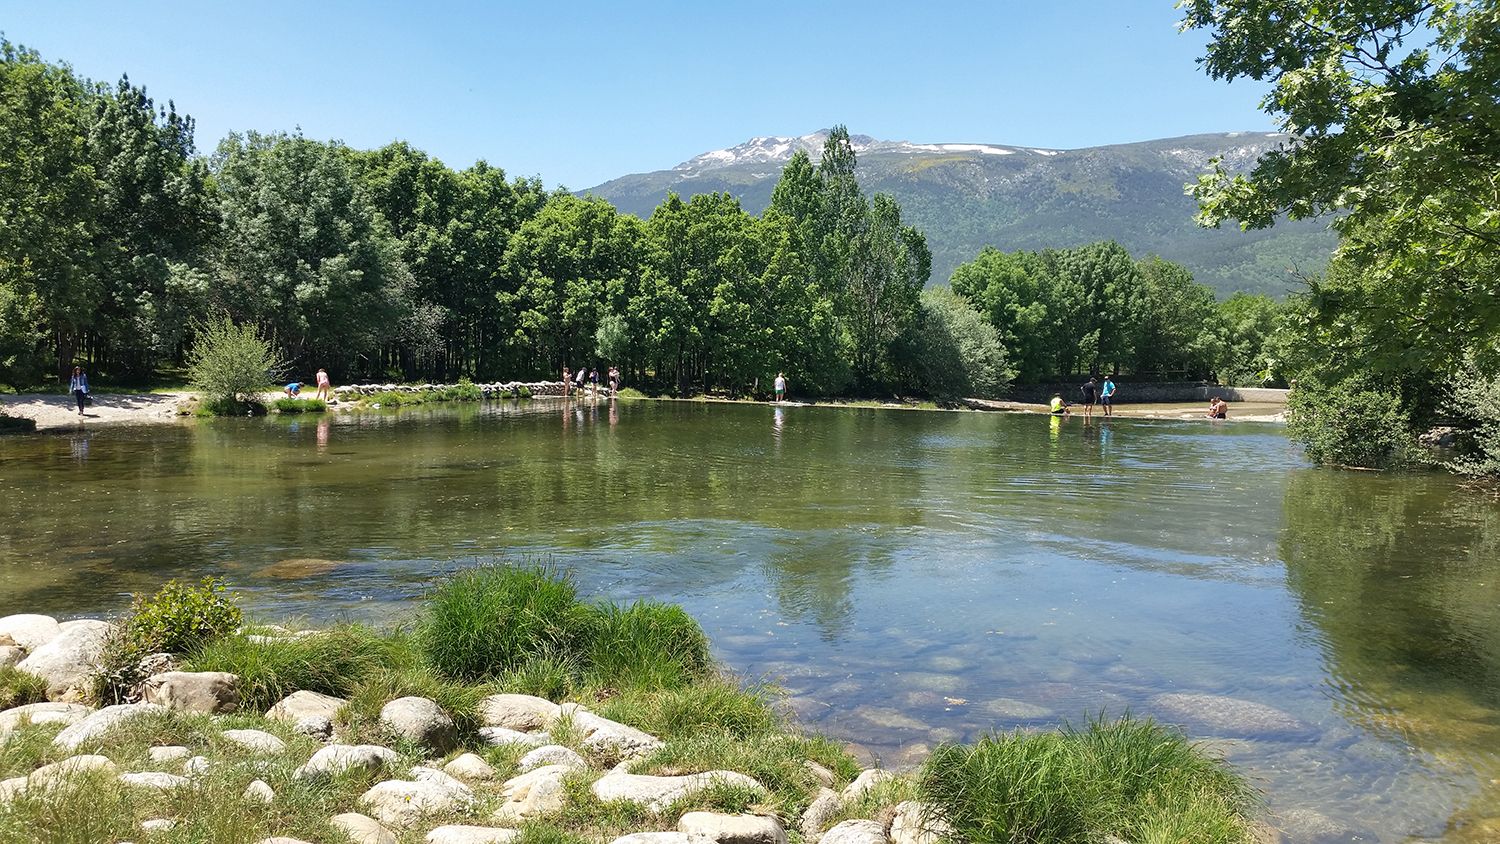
512 712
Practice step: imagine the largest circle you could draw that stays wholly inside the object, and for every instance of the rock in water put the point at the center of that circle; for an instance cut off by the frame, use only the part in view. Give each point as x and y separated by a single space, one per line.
212 692
1230 716
361 829
70 661
855 832
420 720
733 829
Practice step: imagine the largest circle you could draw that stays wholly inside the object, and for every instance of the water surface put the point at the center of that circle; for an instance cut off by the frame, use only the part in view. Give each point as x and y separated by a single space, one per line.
907 578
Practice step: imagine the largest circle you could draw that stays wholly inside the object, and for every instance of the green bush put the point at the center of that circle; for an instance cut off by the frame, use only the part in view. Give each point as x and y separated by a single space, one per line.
464 390
952 352
1475 406
490 619
523 392
181 617
647 644
16 424
1131 779
1348 424
630 393
229 364
291 404
333 662
230 407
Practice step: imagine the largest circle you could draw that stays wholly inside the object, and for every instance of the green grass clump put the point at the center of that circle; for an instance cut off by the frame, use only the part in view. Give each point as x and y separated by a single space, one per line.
404 673
630 393
333 662
647 644
493 618
177 619
292 404
229 407
17 688
464 390
774 758
1129 778
714 705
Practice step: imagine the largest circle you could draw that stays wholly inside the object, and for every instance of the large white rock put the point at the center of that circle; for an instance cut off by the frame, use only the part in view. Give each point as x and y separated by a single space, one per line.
524 713
551 754
319 727
29 631
534 794
256 741
281 839
157 780
656 793
460 834
420 720
918 823
404 802
855 832
733 829
501 736
337 758
601 735
422 773
168 753
470 767
822 808
193 691
298 705
862 784
57 773
662 838
92 728
43 713
362 829
820 773
11 655
258 791
70 661
12 788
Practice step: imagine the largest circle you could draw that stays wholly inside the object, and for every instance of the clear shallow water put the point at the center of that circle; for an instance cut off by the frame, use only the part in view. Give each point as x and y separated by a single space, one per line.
908 578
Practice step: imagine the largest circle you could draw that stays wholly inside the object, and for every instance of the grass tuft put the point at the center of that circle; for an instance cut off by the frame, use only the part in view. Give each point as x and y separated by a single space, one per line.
647 644
491 619
17 688
1129 778
291 404
333 662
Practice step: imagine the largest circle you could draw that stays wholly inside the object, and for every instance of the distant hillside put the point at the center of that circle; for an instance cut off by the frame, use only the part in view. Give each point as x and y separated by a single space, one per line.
967 196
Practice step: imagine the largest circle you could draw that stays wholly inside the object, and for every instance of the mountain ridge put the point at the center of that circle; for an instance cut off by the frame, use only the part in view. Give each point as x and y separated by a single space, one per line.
969 195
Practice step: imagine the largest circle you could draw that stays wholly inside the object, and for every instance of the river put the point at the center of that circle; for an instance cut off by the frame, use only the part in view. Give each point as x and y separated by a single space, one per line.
905 577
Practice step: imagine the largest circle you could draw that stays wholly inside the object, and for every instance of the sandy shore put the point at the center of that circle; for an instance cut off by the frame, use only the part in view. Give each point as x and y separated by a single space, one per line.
52 412
1245 411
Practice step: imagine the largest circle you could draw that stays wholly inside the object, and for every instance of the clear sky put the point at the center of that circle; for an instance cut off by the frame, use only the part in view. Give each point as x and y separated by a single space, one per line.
579 92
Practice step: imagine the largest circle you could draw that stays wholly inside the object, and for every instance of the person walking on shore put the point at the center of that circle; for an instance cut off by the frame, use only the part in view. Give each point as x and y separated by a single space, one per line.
1090 393
780 387
78 385
1107 396
325 387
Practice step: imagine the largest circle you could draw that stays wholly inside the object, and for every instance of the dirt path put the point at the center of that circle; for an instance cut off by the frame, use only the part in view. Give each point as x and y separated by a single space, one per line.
55 411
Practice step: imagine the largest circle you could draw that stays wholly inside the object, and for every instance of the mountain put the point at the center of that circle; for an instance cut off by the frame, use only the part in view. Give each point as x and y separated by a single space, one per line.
967 196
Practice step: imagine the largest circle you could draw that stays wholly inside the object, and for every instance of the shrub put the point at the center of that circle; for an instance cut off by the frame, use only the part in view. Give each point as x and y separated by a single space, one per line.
229 364
647 644
180 617
1131 779
952 351
630 393
464 390
290 404
333 662
1475 405
492 618
523 392
18 688
1349 425
230 407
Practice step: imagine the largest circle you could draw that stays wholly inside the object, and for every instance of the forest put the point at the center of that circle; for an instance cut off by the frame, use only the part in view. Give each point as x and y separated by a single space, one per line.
120 239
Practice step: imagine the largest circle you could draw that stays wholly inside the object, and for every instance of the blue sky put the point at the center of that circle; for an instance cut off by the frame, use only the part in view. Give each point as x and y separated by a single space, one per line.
579 92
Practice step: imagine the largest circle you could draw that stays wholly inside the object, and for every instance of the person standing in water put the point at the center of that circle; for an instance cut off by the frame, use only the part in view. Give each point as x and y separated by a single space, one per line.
780 387
567 382
78 385
1090 393
1107 396
325 387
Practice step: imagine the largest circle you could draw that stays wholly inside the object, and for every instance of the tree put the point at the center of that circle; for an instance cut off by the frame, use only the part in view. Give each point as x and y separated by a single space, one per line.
1012 289
231 364
1176 326
952 351
1096 303
1248 324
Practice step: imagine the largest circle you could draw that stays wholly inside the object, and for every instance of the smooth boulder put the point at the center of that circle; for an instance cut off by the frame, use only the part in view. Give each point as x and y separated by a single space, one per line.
28 630
156 780
57 773
337 758
606 737
461 834
95 725
404 802
656 793
822 808
362 829
855 832
733 829
168 753
862 784
502 736
662 838
211 692
255 741
523 713
70 661
918 823
551 754
43 713
302 704
470 766
258 791
534 794
420 720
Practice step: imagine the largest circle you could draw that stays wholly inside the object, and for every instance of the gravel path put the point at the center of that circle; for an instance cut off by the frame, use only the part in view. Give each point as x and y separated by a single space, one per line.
58 411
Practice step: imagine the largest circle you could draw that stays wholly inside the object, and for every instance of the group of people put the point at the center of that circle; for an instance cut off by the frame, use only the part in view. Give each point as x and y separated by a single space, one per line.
1092 392
589 377
325 387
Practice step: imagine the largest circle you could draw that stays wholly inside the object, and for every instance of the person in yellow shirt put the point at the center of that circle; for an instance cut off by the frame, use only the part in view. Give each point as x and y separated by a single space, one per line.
1059 407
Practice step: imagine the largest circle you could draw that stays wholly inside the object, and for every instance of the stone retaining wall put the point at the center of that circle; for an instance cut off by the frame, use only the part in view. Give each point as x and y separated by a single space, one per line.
492 390
1168 392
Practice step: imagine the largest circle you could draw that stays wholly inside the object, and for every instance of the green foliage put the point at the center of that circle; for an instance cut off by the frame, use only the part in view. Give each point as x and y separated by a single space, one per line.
647 644
709 705
1135 780
333 662
231 364
952 352
18 688
290 404
180 617
1475 405
15 424
493 618
1350 424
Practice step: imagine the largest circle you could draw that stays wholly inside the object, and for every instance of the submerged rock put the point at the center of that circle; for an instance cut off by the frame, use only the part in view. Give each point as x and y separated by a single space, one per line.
1011 709
733 829
1230 716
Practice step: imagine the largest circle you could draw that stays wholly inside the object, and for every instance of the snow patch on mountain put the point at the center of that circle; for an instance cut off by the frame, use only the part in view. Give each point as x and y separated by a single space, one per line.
779 149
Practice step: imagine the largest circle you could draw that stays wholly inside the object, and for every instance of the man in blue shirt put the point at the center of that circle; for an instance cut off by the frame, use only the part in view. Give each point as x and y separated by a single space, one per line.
1107 395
